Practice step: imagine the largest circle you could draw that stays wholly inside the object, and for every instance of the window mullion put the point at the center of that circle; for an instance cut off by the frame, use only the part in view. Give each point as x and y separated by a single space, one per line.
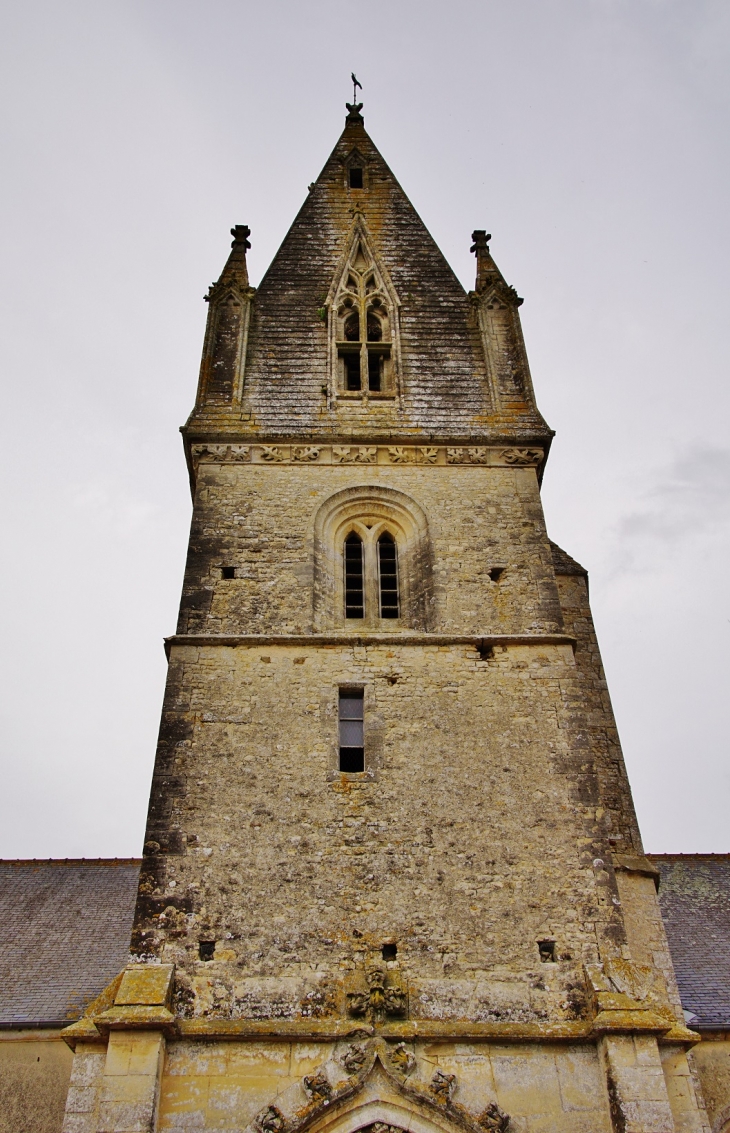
372 583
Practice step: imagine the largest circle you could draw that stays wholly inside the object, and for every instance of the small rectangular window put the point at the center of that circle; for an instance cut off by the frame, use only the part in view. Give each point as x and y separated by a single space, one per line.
355 178
228 572
351 725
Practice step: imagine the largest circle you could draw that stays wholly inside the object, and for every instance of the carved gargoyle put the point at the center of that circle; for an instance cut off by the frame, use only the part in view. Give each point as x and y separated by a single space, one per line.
442 1086
402 1059
317 1087
494 1119
270 1120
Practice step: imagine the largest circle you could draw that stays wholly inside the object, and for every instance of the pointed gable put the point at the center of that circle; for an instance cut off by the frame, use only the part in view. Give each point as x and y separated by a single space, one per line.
433 367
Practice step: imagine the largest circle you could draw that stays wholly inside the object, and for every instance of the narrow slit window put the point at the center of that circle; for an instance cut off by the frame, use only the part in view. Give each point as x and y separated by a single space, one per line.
352 735
375 372
354 605
388 569
355 177
352 371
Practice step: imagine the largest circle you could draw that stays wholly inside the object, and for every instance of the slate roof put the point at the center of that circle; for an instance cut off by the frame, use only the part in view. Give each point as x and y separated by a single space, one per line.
563 563
444 370
65 928
694 894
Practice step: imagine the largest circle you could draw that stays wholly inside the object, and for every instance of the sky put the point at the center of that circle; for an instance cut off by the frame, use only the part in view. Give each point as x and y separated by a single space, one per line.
590 137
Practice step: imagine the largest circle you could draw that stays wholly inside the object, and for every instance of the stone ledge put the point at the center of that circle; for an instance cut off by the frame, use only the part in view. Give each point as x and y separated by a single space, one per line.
360 639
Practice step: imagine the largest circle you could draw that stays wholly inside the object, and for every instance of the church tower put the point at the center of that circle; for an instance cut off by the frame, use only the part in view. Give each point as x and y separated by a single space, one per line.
392 872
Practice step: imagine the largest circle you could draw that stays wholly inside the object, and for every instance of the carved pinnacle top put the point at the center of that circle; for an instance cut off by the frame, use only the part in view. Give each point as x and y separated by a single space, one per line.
354 118
240 235
486 269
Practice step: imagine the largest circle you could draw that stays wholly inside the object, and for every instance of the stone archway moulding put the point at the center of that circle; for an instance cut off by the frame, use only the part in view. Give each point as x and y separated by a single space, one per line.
373 1082
408 522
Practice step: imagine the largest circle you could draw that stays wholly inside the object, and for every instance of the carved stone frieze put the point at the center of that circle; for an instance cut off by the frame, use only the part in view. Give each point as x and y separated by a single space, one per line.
423 455
221 454
521 455
272 454
347 454
443 1086
304 453
467 455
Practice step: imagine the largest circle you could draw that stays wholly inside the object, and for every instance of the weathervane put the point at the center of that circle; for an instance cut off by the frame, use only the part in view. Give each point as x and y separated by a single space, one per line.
354 118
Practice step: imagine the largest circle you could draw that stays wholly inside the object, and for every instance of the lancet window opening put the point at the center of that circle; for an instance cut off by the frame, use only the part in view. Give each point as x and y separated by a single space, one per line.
388 576
363 331
370 574
354 594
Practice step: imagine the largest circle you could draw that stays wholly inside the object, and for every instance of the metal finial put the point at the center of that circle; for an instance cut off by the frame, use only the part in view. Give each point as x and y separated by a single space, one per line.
355 85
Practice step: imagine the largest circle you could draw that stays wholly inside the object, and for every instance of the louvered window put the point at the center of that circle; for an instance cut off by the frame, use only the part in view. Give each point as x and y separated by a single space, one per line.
388 576
354 596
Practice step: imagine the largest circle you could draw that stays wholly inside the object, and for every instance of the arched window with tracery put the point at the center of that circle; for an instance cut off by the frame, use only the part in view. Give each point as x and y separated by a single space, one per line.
370 574
363 329
372 561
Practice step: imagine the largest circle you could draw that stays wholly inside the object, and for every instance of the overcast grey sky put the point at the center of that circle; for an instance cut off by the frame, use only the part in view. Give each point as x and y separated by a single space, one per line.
589 136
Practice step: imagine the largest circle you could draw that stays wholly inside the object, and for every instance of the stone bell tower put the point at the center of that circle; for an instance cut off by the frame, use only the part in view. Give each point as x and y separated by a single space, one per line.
392 873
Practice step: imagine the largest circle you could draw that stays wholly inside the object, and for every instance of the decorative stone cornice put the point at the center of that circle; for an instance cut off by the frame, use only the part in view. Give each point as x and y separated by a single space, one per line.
427 456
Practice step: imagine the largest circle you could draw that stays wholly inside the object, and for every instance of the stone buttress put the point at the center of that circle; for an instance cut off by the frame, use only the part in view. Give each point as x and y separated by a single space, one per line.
392 872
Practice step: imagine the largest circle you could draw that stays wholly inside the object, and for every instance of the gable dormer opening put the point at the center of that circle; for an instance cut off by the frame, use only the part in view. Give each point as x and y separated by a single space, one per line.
362 327
356 174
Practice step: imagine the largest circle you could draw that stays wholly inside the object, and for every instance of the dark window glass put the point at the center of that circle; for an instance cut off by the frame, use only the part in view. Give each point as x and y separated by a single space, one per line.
375 328
388 564
375 372
353 577
352 371
352 327
351 725
228 572
355 178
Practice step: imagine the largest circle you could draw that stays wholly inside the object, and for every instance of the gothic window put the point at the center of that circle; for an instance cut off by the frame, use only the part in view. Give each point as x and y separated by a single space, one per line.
363 329
370 565
372 562
352 730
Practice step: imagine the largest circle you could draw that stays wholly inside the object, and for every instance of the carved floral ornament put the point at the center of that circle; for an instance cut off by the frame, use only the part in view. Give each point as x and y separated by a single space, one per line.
423 455
342 1077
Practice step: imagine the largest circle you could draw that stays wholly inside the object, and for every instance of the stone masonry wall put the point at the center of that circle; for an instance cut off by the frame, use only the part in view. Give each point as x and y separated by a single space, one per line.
260 520
472 837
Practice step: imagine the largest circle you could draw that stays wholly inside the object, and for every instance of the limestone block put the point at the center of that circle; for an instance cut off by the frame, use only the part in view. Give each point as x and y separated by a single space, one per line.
130 1086
636 1086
